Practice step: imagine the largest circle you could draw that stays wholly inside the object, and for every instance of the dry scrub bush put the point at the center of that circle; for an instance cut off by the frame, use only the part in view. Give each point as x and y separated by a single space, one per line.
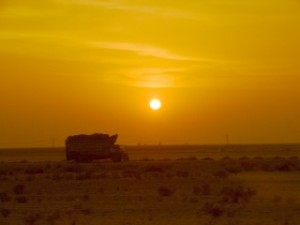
226 158
204 189
130 173
79 209
84 176
5 212
34 170
284 166
21 199
207 159
3 172
61 176
19 189
247 165
165 192
32 219
233 168
236 193
244 158
4 178
189 158
159 168
193 200
4 197
261 164
102 175
30 178
86 211
276 199
85 197
214 210
182 173
221 174
74 169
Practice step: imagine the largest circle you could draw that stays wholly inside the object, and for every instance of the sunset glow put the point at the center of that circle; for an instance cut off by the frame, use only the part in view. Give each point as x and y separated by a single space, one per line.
85 66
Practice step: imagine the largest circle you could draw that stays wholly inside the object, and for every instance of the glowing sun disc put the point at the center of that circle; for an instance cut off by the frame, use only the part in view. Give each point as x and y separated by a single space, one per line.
155 104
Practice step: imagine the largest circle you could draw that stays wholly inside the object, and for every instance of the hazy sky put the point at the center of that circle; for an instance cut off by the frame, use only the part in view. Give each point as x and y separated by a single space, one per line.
85 66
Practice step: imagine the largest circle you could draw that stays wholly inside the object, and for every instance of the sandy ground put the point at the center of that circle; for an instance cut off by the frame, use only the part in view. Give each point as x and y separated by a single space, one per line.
228 191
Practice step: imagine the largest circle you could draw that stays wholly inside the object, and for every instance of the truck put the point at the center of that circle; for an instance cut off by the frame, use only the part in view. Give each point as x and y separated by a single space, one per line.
87 148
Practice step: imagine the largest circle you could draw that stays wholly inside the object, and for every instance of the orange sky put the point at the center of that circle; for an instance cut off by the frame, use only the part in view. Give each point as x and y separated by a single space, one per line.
86 66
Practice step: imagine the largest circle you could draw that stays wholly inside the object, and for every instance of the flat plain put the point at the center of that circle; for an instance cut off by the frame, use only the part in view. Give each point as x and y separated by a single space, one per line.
211 190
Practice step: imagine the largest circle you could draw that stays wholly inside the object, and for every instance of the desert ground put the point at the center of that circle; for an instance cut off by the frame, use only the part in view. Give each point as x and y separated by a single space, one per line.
184 191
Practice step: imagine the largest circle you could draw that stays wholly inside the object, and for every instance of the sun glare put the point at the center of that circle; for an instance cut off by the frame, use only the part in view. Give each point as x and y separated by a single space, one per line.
155 104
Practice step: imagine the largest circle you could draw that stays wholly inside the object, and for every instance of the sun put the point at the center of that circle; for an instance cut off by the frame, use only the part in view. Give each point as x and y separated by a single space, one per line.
155 104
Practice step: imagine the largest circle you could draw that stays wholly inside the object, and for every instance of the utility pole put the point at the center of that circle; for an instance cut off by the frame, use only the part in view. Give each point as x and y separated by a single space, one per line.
227 139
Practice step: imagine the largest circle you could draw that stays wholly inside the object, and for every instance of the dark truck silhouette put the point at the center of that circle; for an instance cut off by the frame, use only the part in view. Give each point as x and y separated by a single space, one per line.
86 148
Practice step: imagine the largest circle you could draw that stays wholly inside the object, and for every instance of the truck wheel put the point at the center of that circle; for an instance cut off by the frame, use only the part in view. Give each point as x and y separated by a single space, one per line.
68 157
125 157
116 157
83 159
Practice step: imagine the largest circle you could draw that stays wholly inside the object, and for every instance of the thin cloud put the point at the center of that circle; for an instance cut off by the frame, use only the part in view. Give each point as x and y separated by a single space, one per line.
142 50
154 77
146 9
145 77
